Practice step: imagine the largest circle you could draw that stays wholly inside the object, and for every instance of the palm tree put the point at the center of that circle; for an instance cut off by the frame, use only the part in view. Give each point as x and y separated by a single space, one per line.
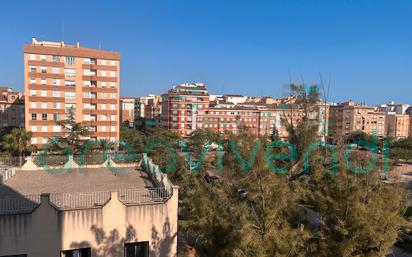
105 144
17 141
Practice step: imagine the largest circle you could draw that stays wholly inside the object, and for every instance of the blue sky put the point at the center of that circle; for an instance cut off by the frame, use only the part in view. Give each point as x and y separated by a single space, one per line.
246 47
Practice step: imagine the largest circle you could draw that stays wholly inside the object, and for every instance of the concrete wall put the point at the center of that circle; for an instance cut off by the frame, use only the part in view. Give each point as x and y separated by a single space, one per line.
47 231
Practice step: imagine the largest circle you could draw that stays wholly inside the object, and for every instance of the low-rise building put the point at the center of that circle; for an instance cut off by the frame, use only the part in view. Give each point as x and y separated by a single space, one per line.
88 212
127 111
11 108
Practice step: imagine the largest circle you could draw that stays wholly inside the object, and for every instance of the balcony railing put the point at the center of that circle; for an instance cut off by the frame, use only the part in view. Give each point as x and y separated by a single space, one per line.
147 196
79 200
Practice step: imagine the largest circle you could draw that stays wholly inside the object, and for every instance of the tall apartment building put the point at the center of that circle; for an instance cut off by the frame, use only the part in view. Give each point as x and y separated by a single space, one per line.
128 111
59 77
183 105
11 108
348 117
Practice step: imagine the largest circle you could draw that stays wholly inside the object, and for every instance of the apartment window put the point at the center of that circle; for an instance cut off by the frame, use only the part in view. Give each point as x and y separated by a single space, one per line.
87 106
112 128
43 81
33 92
42 57
56 105
93 83
43 128
32 57
83 252
86 117
69 106
86 60
103 106
34 116
104 117
103 73
70 83
44 140
70 72
112 84
33 105
34 128
44 116
86 94
32 68
56 82
140 249
103 62
43 69
112 63
86 72
92 128
56 93
112 107
103 128
43 93
33 141
103 95
103 84
44 105
113 117
112 96
112 74
68 60
56 58
56 117
56 128
32 81
55 70
70 95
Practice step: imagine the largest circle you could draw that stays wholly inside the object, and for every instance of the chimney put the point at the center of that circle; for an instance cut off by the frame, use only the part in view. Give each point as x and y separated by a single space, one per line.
45 198
78 45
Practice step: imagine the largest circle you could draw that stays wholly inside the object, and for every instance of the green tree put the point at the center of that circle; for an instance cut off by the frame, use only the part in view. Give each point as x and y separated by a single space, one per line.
17 142
133 138
105 144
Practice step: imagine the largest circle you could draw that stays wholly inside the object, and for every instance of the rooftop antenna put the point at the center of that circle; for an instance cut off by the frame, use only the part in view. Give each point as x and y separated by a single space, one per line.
62 30
100 45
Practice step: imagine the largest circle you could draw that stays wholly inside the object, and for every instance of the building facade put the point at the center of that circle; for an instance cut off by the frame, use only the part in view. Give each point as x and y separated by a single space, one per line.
348 117
59 77
128 111
397 125
11 108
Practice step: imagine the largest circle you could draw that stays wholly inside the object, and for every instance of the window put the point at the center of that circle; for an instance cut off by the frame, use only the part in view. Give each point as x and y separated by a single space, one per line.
56 94
56 128
112 74
43 69
33 141
42 57
70 83
56 117
103 128
44 116
43 81
112 117
112 107
43 93
56 58
33 92
86 83
43 128
112 84
32 57
69 60
103 73
92 128
69 106
104 117
86 117
112 96
140 249
32 81
70 72
44 105
56 105
112 63
33 105
103 84
86 60
34 116
83 252
103 62
103 106
55 70
112 128
103 95
34 128
56 82
70 95
32 68
86 94
86 72
44 140
87 106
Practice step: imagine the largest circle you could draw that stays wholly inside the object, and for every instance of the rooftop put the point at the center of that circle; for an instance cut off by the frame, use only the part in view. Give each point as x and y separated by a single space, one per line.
85 180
